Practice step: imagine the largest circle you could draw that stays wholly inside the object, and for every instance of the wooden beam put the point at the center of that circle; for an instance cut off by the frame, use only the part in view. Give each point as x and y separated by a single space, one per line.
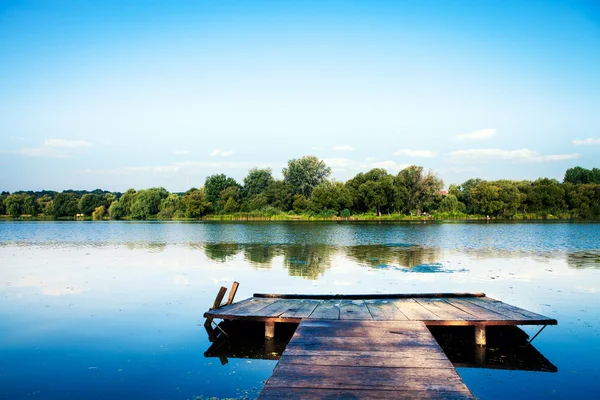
269 329
232 292
480 339
219 298
366 296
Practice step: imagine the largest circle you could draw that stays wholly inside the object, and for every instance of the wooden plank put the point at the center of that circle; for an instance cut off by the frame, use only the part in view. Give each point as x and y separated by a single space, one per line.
369 360
415 311
325 377
445 310
331 329
510 311
354 309
302 309
368 296
385 310
414 351
243 308
279 307
219 297
479 313
327 309
232 292
361 343
276 393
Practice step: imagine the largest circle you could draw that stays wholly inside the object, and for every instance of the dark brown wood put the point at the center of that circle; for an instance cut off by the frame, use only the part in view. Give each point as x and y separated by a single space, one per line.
232 292
415 311
370 360
327 309
354 310
508 310
249 307
324 377
445 310
480 313
385 310
219 297
366 296
276 393
352 359
303 309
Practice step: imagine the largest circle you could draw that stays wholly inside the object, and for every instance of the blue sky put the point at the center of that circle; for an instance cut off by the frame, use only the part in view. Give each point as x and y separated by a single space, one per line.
117 94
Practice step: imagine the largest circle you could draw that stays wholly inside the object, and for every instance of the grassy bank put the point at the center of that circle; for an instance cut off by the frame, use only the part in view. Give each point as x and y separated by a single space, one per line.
283 216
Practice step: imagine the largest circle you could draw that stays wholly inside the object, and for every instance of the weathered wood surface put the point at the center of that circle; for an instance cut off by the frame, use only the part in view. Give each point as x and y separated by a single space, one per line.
355 359
440 309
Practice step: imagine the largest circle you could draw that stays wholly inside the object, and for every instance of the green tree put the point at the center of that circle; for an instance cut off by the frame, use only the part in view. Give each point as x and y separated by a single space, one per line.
116 210
214 185
230 198
257 181
579 175
89 202
486 198
330 196
127 200
171 206
304 174
547 196
147 202
44 204
195 202
98 213
451 204
279 195
14 204
421 188
65 204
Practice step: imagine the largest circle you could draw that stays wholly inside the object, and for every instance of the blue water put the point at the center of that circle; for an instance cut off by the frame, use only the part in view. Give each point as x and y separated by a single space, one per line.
114 309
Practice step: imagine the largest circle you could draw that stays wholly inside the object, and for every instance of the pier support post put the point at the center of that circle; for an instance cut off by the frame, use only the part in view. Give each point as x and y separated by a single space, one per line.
269 329
480 335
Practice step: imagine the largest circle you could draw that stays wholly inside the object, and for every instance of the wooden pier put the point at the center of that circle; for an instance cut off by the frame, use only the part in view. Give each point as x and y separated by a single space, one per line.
364 360
369 346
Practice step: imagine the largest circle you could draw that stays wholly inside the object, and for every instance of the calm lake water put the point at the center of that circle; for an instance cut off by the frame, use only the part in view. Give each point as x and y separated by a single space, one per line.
107 310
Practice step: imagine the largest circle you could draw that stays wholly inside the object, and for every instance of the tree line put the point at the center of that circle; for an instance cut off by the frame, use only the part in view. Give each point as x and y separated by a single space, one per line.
307 190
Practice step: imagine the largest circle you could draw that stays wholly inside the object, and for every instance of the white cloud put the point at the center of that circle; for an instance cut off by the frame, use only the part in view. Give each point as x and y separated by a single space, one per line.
66 143
368 159
346 164
222 153
587 141
52 148
223 164
415 153
41 152
175 167
129 170
482 134
344 148
157 168
181 152
520 155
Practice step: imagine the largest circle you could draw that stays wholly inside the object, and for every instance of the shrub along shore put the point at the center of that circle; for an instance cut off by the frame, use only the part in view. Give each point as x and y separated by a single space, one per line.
306 193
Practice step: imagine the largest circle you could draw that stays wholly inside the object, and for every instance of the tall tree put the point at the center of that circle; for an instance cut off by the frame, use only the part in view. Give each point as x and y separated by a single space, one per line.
304 174
420 188
257 181
195 202
65 204
214 185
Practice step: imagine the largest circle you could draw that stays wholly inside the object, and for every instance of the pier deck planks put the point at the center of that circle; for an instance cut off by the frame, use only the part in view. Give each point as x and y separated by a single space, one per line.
435 310
372 360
